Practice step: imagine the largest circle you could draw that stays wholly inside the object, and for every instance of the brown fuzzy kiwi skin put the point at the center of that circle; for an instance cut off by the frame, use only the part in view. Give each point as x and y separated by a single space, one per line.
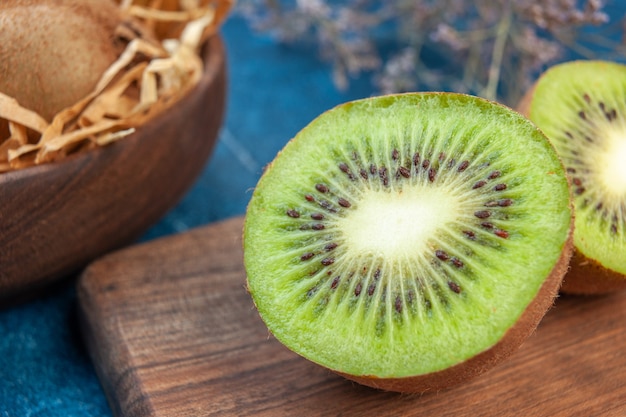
53 52
586 276
484 361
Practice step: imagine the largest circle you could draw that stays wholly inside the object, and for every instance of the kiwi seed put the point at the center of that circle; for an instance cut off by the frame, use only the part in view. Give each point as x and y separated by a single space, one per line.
409 242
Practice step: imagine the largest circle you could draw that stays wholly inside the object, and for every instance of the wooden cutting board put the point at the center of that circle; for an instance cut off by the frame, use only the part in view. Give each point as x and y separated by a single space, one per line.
173 332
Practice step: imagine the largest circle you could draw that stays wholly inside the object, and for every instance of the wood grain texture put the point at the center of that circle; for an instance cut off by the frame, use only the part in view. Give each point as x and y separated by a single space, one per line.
55 218
173 332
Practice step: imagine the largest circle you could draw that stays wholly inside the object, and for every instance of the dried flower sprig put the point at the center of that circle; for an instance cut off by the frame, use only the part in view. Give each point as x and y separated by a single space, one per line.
494 49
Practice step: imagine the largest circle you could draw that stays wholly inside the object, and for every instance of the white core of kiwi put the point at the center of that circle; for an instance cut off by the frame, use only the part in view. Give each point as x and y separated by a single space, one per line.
612 175
390 224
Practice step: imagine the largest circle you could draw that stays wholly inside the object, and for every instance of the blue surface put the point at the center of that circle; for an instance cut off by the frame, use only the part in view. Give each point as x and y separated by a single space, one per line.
274 91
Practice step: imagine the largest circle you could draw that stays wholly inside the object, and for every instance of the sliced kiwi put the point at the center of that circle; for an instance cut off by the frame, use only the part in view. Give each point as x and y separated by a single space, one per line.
409 242
581 107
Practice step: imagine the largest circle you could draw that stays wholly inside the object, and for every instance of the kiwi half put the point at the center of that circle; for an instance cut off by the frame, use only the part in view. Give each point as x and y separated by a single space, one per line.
409 242
581 107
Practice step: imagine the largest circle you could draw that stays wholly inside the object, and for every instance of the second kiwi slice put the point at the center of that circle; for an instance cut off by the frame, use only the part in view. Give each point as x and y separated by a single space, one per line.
581 107
409 242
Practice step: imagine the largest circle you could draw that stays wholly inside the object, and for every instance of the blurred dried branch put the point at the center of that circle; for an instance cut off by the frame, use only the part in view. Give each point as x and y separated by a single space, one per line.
494 49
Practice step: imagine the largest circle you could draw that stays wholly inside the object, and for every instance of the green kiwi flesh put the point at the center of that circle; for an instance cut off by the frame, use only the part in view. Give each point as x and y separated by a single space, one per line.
400 237
581 107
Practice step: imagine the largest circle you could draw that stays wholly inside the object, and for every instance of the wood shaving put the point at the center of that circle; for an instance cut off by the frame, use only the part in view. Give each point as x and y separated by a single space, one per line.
149 76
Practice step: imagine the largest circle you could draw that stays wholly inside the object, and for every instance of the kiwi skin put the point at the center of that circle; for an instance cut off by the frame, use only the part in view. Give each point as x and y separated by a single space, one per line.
577 280
53 52
486 360
586 276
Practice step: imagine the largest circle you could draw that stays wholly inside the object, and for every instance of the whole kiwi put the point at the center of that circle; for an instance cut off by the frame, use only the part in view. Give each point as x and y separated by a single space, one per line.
53 52
409 242
581 107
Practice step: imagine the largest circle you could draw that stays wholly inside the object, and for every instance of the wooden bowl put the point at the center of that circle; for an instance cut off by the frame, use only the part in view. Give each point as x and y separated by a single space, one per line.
57 217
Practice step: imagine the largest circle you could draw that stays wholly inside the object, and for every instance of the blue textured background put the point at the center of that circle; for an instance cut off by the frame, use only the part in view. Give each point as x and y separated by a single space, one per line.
274 91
